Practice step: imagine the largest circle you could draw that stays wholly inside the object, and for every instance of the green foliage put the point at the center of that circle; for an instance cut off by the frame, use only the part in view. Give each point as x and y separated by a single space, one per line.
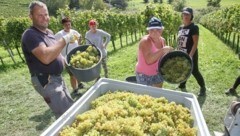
170 1
225 23
14 8
223 20
15 27
74 4
145 1
121 4
166 13
198 13
55 24
179 4
54 5
213 3
92 5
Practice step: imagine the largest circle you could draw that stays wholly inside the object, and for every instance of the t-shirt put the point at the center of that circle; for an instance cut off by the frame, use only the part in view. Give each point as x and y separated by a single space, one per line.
98 39
185 40
31 39
69 47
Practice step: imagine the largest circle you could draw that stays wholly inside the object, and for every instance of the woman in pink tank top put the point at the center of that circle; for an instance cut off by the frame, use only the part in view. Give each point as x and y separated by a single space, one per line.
151 49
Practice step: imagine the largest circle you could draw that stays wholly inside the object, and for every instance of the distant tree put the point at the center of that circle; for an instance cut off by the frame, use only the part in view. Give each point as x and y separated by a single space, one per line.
170 1
122 4
74 4
145 1
179 4
155 1
213 3
92 4
54 5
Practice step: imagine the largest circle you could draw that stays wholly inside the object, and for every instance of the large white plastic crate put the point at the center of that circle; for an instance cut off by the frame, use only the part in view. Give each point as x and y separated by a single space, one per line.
104 85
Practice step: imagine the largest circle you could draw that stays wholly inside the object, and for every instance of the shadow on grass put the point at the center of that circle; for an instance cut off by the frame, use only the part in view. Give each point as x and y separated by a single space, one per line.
7 67
44 119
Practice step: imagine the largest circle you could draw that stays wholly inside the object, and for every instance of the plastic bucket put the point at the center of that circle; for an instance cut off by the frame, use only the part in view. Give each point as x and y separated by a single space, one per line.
131 79
88 74
176 73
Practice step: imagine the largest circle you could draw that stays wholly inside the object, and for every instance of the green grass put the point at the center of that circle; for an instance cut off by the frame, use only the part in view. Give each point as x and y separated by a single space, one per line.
24 112
14 8
197 4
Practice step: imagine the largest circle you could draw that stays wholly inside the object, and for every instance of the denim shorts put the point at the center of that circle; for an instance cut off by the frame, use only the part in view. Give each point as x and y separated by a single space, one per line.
148 80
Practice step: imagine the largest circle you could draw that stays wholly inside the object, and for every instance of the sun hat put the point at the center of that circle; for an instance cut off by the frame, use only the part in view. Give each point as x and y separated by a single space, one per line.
187 10
92 22
155 23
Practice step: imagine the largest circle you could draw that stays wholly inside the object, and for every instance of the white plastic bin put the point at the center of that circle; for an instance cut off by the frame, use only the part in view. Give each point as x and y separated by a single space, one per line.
103 85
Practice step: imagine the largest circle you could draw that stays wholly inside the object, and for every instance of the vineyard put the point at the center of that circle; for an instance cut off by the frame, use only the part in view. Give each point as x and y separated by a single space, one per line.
119 25
225 24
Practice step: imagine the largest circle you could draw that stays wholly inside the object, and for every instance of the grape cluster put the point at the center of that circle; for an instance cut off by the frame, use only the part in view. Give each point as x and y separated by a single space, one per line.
176 69
85 59
123 113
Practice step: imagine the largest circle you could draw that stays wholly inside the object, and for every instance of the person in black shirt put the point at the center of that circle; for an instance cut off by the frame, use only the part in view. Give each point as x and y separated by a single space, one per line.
232 90
42 53
188 36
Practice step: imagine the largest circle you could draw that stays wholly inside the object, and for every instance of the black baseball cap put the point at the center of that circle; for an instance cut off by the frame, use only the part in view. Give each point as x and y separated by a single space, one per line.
187 10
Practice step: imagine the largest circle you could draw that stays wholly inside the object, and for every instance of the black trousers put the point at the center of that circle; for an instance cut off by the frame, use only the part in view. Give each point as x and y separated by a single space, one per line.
196 73
236 83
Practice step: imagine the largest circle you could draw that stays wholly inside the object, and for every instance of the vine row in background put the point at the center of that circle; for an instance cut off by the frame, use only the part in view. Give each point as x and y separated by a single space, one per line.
119 25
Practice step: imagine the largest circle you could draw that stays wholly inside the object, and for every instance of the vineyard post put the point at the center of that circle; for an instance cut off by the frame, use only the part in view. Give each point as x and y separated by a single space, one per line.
234 37
237 50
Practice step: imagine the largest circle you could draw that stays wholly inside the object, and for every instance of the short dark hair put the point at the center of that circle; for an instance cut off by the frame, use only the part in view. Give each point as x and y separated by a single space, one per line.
65 20
35 3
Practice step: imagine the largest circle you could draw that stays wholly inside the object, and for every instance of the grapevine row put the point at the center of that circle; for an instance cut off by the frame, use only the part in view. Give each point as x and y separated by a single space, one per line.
225 23
119 25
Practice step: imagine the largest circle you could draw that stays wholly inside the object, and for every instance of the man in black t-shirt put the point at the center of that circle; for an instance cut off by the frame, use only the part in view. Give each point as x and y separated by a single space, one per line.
45 63
188 35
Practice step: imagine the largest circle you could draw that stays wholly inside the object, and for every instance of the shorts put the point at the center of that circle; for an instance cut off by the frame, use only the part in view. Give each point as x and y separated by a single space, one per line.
149 80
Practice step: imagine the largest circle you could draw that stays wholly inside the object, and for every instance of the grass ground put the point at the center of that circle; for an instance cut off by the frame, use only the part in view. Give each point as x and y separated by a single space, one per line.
23 111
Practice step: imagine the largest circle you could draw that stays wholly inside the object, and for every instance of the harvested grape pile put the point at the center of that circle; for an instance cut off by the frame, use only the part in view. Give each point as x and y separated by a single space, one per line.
127 114
85 59
176 69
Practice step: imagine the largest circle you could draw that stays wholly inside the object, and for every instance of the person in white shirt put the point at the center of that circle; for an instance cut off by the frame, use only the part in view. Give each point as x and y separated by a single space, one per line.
100 39
67 28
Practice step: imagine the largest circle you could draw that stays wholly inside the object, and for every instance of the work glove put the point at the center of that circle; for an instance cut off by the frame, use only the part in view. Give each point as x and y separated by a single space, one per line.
70 38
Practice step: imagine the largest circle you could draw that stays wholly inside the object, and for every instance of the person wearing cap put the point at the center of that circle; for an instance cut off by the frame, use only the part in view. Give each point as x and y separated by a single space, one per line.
100 39
150 49
188 35
42 53
67 28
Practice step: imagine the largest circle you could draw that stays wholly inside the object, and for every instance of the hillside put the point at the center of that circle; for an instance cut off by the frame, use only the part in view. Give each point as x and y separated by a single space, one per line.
21 6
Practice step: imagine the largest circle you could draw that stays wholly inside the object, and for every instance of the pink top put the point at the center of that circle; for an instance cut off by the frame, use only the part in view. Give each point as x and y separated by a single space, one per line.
143 67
